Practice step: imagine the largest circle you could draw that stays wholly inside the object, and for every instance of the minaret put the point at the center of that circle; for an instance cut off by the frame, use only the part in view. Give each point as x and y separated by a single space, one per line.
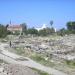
10 22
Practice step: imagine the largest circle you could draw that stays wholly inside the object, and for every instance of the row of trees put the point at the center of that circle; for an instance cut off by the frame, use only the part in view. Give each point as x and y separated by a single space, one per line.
48 31
70 29
44 32
33 31
4 32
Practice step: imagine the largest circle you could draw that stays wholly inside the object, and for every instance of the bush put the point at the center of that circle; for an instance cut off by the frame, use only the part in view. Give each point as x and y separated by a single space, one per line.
68 62
32 31
3 31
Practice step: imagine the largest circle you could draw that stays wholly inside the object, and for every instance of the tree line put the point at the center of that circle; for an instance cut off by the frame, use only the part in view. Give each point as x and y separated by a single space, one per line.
33 31
44 32
70 29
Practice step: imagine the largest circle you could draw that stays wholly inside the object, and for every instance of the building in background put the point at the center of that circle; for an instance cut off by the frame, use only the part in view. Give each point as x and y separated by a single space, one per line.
15 28
44 26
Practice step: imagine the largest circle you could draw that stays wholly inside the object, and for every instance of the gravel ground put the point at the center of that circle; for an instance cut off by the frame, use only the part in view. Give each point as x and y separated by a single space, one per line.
12 69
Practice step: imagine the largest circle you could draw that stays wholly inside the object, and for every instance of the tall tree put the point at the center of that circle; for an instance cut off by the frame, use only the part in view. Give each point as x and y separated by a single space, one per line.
7 26
24 27
51 23
3 31
71 25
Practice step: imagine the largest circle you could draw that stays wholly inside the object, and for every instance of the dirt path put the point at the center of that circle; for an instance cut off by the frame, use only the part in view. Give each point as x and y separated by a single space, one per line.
11 58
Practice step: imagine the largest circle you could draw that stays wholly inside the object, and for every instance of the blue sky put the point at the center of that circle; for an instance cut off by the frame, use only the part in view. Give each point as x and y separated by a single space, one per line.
37 12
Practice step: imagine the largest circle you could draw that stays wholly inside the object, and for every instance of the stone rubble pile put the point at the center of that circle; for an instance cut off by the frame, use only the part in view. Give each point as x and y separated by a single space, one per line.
59 47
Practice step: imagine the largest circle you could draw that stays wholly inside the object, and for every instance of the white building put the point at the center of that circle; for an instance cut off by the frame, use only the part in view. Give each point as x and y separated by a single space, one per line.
44 26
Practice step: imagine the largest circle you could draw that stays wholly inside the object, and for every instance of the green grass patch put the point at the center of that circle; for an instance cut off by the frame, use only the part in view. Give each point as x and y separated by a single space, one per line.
19 51
40 59
70 63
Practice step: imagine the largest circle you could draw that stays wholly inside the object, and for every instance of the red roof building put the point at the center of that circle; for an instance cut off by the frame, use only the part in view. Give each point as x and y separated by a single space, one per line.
14 28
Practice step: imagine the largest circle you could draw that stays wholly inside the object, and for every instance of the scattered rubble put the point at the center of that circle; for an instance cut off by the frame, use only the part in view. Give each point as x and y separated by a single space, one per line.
58 49
11 69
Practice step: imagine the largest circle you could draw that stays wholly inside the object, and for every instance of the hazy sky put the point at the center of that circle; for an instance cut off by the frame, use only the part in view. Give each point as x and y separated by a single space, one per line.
37 12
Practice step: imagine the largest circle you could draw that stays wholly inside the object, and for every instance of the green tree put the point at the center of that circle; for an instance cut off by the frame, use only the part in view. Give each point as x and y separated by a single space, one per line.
71 25
62 32
43 32
51 23
32 31
24 27
7 26
46 31
3 31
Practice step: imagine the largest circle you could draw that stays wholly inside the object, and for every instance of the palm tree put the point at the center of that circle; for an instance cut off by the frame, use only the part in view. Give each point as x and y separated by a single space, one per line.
51 23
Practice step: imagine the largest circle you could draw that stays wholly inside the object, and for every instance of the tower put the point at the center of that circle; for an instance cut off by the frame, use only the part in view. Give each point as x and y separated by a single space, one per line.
10 22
